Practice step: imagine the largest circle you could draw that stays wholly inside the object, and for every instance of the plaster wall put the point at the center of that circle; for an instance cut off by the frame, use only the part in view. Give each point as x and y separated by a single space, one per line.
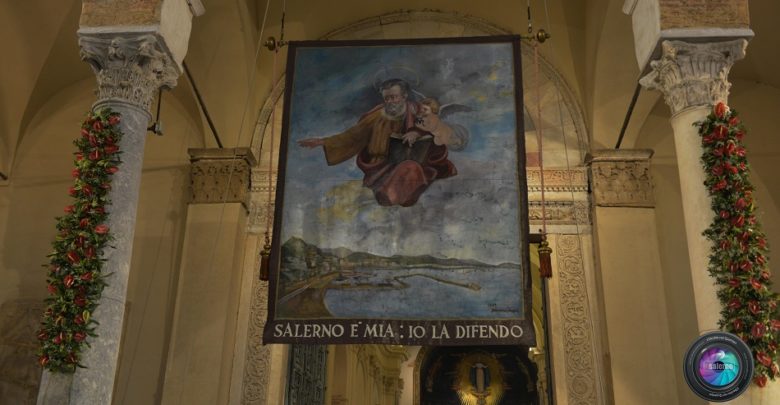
635 306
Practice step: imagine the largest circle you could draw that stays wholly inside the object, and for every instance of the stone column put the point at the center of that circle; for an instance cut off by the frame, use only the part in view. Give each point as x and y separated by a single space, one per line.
631 279
130 68
692 77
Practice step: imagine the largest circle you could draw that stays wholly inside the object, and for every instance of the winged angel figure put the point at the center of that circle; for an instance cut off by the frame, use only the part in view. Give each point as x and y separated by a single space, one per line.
401 145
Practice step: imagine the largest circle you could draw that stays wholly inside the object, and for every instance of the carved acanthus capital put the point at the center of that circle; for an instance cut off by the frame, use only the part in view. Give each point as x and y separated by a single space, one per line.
694 74
621 177
129 67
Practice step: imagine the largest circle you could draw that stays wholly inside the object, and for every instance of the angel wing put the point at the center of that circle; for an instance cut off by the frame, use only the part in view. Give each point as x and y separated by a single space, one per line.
453 108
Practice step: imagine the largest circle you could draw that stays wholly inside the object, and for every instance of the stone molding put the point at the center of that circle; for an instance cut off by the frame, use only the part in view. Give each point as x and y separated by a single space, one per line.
559 213
578 345
693 74
261 212
220 175
258 356
568 180
129 67
621 178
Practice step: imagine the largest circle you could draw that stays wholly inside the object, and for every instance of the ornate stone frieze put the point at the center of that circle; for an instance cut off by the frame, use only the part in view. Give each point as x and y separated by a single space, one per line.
263 191
578 340
694 74
220 175
621 178
258 359
129 67
264 181
575 179
559 212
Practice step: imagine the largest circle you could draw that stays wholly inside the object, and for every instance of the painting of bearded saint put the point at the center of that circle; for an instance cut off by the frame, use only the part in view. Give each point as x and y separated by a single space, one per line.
400 145
401 190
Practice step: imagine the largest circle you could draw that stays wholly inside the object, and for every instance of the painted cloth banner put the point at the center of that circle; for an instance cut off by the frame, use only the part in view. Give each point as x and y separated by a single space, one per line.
401 206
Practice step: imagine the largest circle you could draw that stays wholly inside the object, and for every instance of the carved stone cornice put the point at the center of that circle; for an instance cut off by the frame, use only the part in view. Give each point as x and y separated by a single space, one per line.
621 178
220 175
694 74
559 213
568 180
129 67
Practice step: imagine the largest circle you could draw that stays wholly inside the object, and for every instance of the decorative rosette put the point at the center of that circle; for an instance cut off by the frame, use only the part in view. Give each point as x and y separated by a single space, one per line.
75 281
738 260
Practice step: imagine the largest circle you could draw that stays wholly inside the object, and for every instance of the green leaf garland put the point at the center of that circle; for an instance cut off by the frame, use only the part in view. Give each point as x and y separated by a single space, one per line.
738 260
75 280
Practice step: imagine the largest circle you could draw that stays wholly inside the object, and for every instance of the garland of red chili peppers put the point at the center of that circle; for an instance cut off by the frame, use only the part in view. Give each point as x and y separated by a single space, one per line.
74 279
739 253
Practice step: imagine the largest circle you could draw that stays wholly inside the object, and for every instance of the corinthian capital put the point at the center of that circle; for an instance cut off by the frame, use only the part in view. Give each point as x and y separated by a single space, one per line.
694 74
129 67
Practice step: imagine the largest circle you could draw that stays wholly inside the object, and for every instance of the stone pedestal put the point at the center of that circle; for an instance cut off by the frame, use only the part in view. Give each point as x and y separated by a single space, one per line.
631 279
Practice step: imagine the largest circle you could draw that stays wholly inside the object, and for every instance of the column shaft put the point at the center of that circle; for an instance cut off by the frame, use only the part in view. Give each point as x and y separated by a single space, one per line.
95 383
697 214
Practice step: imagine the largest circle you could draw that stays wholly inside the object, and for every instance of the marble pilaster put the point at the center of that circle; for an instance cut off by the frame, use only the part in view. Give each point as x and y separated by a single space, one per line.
628 254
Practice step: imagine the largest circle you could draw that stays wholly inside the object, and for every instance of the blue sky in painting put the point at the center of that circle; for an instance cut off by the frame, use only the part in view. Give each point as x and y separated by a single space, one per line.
472 215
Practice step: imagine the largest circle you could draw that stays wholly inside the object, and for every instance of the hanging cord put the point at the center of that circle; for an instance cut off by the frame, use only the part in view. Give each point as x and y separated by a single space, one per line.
202 104
600 376
265 254
252 78
545 261
539 133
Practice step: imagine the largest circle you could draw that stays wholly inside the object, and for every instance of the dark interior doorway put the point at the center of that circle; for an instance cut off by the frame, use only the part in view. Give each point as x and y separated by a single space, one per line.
478 375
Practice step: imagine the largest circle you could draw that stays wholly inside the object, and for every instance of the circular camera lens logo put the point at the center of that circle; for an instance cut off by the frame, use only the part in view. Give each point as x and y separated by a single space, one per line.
718 366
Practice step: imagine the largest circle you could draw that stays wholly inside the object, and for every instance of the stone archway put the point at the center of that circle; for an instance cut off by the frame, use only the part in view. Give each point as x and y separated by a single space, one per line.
567 205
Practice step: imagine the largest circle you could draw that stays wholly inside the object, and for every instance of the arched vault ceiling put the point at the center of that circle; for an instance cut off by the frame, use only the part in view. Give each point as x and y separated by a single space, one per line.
762 62
592 47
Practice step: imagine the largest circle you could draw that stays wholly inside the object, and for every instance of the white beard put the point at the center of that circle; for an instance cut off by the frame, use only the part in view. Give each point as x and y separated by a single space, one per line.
396 110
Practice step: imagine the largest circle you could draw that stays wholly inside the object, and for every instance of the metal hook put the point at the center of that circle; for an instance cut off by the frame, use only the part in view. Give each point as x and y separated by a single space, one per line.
273 44
541 36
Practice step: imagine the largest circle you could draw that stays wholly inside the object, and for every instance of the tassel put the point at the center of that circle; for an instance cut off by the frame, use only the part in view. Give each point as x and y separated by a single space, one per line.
265 260
545 263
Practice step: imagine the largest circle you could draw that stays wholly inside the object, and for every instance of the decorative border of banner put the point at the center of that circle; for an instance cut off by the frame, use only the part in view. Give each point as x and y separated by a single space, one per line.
514 331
